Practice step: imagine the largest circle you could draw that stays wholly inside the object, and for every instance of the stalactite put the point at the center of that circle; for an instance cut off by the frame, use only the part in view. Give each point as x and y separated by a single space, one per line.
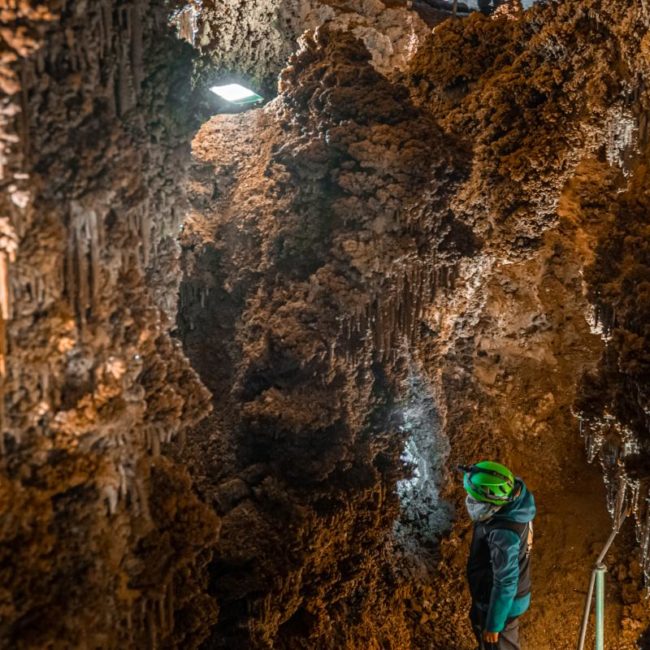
141 501
123 485
162 622
107 23
4 287
135 21
112 498
145 235
77 278
83 262
8 251
94 238
72 47
25 111
170 602
44 382
151 626
643 533
123 86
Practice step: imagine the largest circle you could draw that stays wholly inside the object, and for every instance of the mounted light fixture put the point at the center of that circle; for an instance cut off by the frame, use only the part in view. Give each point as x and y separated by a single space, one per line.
236 94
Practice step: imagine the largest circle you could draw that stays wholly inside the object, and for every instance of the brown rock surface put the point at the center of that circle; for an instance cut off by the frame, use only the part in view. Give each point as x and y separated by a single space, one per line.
310 227
531 107
547 112
252 41
430 217
94 135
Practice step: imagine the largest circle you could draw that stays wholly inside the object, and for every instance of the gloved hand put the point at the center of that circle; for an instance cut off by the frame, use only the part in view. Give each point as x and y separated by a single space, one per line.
491 637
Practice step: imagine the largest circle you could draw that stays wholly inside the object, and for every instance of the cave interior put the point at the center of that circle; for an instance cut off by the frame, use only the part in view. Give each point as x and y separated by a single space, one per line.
271 269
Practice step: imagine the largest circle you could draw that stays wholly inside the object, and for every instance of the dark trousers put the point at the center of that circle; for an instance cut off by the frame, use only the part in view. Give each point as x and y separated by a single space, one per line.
508 638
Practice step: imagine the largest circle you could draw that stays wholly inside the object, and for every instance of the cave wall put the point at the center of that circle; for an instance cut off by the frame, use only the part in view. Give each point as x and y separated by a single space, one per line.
252 41
611 400
544 137
97 117
554 108
456 208
311 225
96 123
614 402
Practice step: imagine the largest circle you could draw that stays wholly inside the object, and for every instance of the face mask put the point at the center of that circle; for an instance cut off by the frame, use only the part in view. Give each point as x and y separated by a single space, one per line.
479 510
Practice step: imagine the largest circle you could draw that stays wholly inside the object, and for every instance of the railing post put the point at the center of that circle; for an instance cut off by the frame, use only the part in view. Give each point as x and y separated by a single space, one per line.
597 581
601 570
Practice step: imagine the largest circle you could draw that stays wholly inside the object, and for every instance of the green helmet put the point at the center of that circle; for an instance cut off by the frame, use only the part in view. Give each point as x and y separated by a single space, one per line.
489 482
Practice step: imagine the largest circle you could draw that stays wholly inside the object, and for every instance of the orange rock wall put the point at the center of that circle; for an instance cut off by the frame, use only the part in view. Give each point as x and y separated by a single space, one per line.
95 134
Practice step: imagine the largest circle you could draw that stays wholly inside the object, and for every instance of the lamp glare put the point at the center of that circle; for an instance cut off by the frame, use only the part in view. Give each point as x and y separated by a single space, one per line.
236 94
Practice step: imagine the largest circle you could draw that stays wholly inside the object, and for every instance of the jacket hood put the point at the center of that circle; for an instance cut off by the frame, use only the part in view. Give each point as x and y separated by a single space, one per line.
522 509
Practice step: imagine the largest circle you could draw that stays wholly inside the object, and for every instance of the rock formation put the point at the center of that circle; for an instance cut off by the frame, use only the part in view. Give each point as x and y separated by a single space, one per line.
95 131
556 131
311 227
229 444
253 40
534 130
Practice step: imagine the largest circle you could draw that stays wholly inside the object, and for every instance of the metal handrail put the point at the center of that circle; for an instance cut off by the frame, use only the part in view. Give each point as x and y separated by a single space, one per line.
597 581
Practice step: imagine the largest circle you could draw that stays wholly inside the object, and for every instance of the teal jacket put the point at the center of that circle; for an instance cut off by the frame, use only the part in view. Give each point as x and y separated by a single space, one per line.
499 563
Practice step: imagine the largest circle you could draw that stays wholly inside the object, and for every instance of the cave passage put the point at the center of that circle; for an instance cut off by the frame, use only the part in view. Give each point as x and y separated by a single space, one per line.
271 270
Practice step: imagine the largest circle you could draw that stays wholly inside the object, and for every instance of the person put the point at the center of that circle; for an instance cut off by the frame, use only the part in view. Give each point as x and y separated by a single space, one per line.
498 567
